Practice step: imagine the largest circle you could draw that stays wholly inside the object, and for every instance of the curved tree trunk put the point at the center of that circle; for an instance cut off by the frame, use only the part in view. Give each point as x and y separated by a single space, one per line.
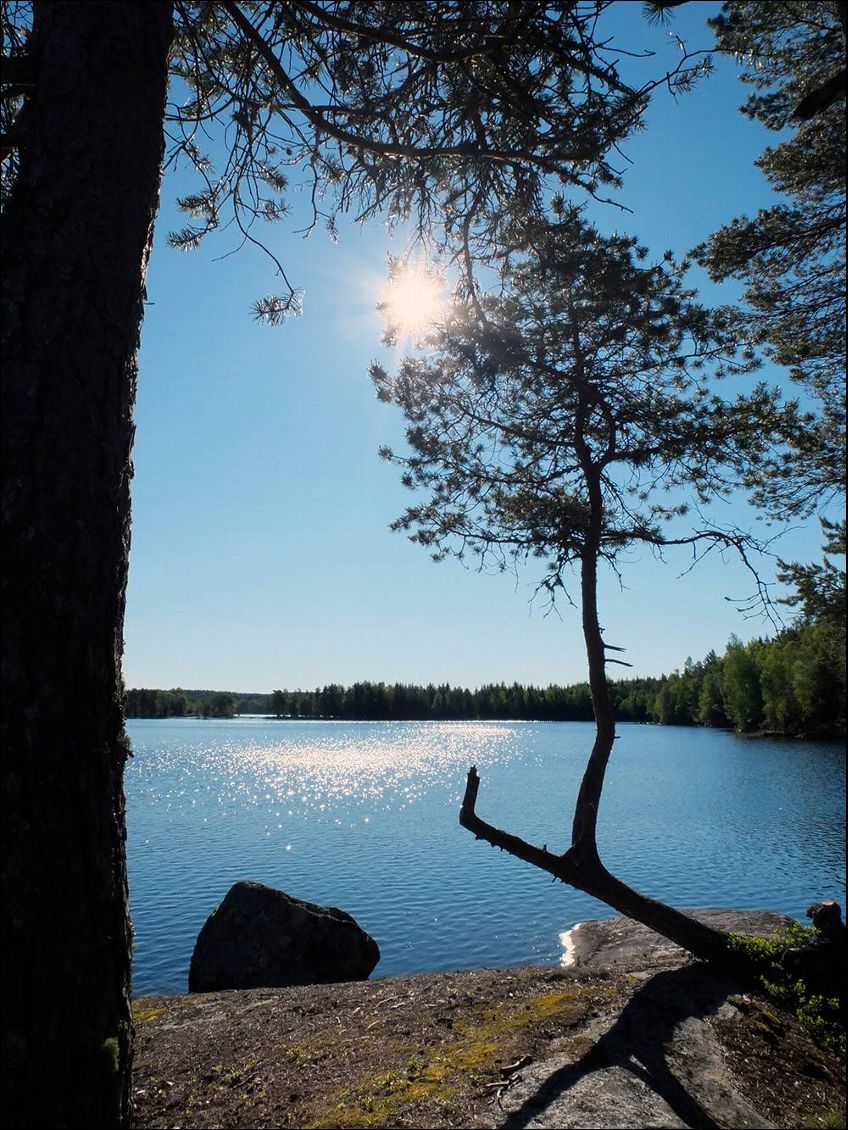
76 237
583 858
581 866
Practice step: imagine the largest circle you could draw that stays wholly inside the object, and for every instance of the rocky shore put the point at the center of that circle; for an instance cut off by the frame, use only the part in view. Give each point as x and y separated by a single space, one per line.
631 1033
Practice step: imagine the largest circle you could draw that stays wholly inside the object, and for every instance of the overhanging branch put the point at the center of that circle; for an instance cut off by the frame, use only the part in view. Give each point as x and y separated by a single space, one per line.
367 142
468 818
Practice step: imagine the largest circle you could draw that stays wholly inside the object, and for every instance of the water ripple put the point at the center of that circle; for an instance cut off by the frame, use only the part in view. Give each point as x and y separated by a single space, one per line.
364 816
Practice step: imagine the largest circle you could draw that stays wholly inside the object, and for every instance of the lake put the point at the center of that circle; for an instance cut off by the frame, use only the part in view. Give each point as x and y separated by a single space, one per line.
364 816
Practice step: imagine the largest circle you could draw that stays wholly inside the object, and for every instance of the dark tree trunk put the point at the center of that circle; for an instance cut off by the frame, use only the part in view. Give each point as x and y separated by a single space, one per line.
76 237
581 866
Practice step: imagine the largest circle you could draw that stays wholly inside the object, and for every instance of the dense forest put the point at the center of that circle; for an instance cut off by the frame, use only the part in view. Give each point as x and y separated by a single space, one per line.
177 703
793 684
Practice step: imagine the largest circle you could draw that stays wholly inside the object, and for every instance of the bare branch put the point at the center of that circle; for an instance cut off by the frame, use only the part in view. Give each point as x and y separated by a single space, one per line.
581 867
468 818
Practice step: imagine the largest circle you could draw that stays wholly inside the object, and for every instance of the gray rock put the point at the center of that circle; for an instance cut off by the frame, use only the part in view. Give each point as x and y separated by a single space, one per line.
622 945
656 1062
260 937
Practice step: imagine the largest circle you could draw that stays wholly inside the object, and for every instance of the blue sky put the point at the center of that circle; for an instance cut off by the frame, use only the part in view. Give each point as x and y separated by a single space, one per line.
261 554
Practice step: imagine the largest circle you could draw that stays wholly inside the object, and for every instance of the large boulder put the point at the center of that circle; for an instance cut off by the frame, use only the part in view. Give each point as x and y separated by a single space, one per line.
260 937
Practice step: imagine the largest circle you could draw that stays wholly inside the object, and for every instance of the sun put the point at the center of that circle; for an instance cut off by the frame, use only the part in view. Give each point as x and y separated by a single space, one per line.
412 301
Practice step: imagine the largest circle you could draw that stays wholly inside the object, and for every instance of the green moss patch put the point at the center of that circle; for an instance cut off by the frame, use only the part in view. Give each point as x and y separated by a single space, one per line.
822 1016
146 1015
470 1051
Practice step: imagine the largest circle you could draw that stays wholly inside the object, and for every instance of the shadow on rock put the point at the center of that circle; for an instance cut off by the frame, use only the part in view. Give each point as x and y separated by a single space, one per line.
640 1042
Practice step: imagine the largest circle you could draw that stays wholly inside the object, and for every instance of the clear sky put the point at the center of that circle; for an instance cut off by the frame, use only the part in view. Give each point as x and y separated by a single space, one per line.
261 554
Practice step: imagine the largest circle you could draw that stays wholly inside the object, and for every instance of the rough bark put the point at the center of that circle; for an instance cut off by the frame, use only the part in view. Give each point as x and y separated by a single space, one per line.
76 237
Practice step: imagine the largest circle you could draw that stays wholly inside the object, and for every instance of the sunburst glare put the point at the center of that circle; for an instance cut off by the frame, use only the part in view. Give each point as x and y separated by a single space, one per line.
412 300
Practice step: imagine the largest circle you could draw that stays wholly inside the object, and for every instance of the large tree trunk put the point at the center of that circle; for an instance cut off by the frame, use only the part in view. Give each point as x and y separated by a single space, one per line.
76 237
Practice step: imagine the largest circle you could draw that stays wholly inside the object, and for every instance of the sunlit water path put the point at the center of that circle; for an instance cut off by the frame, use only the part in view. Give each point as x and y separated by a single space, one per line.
364 817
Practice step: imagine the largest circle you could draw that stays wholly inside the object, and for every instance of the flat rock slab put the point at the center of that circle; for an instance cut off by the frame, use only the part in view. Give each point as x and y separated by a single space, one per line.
659 1062
617 944
658 1045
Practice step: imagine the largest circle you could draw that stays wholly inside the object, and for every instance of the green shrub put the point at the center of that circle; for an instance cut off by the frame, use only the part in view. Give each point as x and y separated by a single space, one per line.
820 1015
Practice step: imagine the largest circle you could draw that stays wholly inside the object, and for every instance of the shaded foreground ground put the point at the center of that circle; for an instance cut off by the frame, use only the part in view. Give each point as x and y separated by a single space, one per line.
665 1042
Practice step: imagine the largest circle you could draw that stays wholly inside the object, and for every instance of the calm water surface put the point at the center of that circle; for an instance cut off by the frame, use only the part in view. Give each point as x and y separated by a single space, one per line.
364 816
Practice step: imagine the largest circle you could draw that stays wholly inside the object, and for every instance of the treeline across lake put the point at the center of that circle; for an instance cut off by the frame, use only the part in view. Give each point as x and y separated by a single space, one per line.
367 701
794 685
177 703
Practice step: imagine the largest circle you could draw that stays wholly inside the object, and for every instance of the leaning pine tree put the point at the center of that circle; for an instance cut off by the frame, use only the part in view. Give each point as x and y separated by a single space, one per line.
569 417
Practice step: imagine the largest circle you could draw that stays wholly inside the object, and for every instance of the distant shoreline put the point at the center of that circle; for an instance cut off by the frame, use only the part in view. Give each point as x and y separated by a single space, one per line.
826 737
738 693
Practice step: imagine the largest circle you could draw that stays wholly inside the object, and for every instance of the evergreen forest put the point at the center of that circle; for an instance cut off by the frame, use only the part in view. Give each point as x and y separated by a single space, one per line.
793 684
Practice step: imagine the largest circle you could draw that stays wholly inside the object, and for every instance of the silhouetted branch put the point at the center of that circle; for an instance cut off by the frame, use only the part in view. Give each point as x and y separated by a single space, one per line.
469 819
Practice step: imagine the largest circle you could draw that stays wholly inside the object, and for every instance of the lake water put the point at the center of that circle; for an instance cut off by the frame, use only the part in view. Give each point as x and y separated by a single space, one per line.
363 816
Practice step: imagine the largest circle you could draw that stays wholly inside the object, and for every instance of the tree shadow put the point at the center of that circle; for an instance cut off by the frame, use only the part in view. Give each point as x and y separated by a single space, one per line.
637 1043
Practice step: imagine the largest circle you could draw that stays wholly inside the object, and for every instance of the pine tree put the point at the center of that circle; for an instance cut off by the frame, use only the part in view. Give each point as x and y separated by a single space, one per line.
819 589
791 255
566 418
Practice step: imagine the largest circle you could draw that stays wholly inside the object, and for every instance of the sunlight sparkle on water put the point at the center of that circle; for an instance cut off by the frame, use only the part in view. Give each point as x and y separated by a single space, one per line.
293 773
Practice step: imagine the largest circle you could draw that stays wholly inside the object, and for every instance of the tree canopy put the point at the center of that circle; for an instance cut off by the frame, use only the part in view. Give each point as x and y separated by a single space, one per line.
791 255
452 116
575 408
